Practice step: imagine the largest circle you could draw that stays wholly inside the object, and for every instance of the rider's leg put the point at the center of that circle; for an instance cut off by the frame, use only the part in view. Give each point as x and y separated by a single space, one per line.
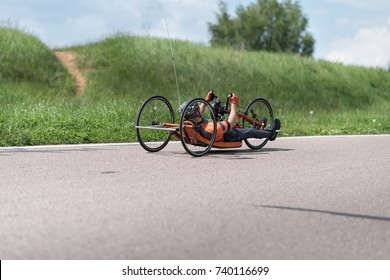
238 134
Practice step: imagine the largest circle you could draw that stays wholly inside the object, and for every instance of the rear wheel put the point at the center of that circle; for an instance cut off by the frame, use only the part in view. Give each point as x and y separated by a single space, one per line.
154 112
188 129
259 109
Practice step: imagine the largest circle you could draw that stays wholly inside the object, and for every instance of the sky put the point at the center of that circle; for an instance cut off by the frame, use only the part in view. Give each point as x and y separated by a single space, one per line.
353 32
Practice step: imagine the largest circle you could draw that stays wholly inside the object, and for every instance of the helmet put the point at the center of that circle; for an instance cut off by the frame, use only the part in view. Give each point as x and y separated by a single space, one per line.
191 112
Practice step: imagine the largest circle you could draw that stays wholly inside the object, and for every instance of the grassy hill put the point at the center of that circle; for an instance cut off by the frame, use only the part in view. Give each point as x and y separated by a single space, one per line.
39 106
143 66
27 63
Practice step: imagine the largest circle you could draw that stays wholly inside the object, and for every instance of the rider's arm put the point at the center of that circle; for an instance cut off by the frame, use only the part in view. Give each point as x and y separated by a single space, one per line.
209 97
233 107
233 110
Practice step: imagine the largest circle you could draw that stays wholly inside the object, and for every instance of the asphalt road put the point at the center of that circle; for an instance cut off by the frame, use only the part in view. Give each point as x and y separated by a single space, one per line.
298 198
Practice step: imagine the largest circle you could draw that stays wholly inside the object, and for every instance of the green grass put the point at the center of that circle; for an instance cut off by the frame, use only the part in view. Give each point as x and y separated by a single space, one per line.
143 66
67 122
39 105
27 65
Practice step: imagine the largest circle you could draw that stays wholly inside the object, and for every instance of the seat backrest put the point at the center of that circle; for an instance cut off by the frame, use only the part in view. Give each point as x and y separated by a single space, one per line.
194 138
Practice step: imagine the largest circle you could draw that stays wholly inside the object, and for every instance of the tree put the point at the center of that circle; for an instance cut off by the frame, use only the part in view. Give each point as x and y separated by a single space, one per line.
265 25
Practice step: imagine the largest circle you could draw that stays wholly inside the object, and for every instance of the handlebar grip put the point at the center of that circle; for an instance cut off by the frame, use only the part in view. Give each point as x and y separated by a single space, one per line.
233 98
210 96
213 96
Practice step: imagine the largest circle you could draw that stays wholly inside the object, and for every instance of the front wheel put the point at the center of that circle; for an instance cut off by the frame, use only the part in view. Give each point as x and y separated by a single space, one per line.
153 114
260 110
190 131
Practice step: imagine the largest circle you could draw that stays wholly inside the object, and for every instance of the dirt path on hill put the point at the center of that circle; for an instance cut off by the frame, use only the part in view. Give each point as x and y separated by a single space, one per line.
69 60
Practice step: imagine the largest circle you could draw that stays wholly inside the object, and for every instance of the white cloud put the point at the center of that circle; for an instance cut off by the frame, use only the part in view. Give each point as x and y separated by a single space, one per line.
186 19
361 4
369 47
86 22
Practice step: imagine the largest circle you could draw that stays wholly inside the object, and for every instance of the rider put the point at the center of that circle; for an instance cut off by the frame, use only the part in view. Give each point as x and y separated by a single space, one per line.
225 129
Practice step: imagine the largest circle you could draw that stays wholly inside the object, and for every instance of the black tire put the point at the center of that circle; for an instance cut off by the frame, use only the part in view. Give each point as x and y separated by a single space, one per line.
198 149
258 109
155 110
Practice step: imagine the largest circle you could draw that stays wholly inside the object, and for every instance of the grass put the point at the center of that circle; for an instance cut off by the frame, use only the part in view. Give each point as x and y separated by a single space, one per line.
39 105
29 64
65 123
337 123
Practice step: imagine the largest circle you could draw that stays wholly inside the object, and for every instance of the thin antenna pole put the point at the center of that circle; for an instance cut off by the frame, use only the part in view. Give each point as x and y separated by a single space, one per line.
173 61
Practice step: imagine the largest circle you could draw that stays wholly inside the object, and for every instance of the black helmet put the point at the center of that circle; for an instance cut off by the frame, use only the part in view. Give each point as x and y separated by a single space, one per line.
191 112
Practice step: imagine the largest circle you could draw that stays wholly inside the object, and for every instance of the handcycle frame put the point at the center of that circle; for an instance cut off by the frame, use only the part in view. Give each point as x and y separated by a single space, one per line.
187 131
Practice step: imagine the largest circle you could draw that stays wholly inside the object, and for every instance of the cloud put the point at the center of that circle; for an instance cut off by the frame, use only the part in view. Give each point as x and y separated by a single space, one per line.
361 4
369 47
186 19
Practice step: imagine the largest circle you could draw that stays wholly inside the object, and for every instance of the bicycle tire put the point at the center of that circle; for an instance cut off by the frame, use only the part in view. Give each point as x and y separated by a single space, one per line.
258 108
154 110
198 149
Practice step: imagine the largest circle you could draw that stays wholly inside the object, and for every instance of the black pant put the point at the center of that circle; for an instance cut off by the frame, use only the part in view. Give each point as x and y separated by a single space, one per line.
238 134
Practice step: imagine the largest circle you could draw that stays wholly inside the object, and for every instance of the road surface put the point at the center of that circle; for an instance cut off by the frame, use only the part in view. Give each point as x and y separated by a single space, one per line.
297 198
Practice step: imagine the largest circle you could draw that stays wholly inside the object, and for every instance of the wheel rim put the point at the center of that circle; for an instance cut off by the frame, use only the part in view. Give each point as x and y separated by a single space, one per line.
188 130
155 110
259 109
